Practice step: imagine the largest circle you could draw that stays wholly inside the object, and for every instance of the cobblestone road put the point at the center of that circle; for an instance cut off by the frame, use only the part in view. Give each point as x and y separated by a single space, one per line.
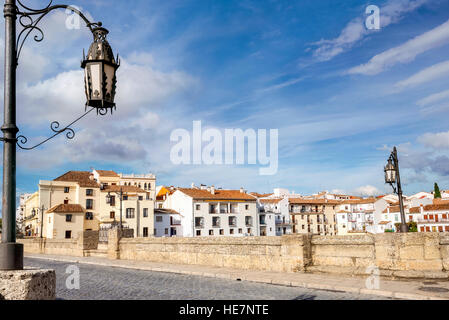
108 283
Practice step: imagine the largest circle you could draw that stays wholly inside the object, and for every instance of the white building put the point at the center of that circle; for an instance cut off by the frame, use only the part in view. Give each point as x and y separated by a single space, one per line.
206 211
167 223
276 209
356 216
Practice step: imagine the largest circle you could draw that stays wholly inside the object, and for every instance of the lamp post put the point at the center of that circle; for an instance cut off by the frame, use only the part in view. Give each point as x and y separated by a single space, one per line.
108 200
393 177
42 210
100 84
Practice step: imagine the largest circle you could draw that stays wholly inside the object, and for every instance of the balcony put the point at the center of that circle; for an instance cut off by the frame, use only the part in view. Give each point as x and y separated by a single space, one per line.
433 221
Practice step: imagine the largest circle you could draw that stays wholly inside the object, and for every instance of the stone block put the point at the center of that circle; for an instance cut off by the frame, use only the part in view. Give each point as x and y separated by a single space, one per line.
29 284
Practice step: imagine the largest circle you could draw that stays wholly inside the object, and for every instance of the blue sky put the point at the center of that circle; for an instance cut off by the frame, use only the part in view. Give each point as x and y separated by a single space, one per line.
340 95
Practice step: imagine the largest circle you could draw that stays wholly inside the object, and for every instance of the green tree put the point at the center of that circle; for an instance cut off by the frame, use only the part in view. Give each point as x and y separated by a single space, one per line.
436 193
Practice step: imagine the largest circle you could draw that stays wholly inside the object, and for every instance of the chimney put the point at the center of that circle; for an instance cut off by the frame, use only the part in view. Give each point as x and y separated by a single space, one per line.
193 185
242 190
203 187
212 189
421 208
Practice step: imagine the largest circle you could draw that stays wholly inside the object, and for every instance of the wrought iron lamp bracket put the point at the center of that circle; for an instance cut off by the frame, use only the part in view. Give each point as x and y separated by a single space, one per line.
29 19
70 133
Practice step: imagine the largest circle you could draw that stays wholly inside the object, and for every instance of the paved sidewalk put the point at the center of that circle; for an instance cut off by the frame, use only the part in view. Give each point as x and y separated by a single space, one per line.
399 289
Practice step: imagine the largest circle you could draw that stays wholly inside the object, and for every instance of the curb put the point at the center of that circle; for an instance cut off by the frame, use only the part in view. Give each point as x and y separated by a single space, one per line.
256 279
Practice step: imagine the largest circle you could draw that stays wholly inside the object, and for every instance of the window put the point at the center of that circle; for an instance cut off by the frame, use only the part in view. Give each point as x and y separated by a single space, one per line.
231 231
211 232
440 229
112 215
145 232
112 201
145 212
249 230
89 216
431 217
215 221
446 228
89 192
89 204
66 189
166 231
125 198
444 216
140 198
426 217
246 206
155 232
160 205
199 222
66 201
130 213
221 232
149 186
68 234
232 221
422 229
212 208
198 233
158 218
68 218
240 230
197 207
249 221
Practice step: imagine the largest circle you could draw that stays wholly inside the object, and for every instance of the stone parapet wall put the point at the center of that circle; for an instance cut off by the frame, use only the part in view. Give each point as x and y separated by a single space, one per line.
283 254
50 246
412 255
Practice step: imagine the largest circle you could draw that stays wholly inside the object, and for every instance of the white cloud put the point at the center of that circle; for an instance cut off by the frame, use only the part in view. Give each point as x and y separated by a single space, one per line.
367 191
355 30
436 97
406 52
435 140
431 73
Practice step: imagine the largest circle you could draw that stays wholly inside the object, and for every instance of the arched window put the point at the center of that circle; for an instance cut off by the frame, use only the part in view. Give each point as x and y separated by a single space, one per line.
145 186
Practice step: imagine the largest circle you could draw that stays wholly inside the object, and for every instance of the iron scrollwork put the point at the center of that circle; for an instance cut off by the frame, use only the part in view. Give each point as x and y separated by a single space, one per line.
70 133
29 19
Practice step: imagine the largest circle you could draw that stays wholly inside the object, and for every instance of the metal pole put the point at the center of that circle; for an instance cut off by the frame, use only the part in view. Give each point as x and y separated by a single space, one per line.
42 221
121 198
11 253
404 226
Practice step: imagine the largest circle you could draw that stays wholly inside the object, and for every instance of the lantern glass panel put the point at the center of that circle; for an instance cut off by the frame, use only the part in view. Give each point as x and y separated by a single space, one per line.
110 74
96 74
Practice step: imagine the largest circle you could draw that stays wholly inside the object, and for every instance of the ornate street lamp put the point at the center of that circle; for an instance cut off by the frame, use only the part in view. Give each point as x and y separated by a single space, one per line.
100 82
392 177
100 73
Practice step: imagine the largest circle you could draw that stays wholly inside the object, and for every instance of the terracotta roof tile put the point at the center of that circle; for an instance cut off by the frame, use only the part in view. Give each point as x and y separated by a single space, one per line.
165 211
67 208
219 194
81 177
267 201
107 173
359 201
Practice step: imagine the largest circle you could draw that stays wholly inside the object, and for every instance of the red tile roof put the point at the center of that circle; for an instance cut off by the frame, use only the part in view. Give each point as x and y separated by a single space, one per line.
81 177
270 200
199 194
67 208
107 173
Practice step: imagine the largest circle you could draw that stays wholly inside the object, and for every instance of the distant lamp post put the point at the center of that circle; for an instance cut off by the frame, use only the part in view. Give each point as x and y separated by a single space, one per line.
41 210
108 201
100 85
393 178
